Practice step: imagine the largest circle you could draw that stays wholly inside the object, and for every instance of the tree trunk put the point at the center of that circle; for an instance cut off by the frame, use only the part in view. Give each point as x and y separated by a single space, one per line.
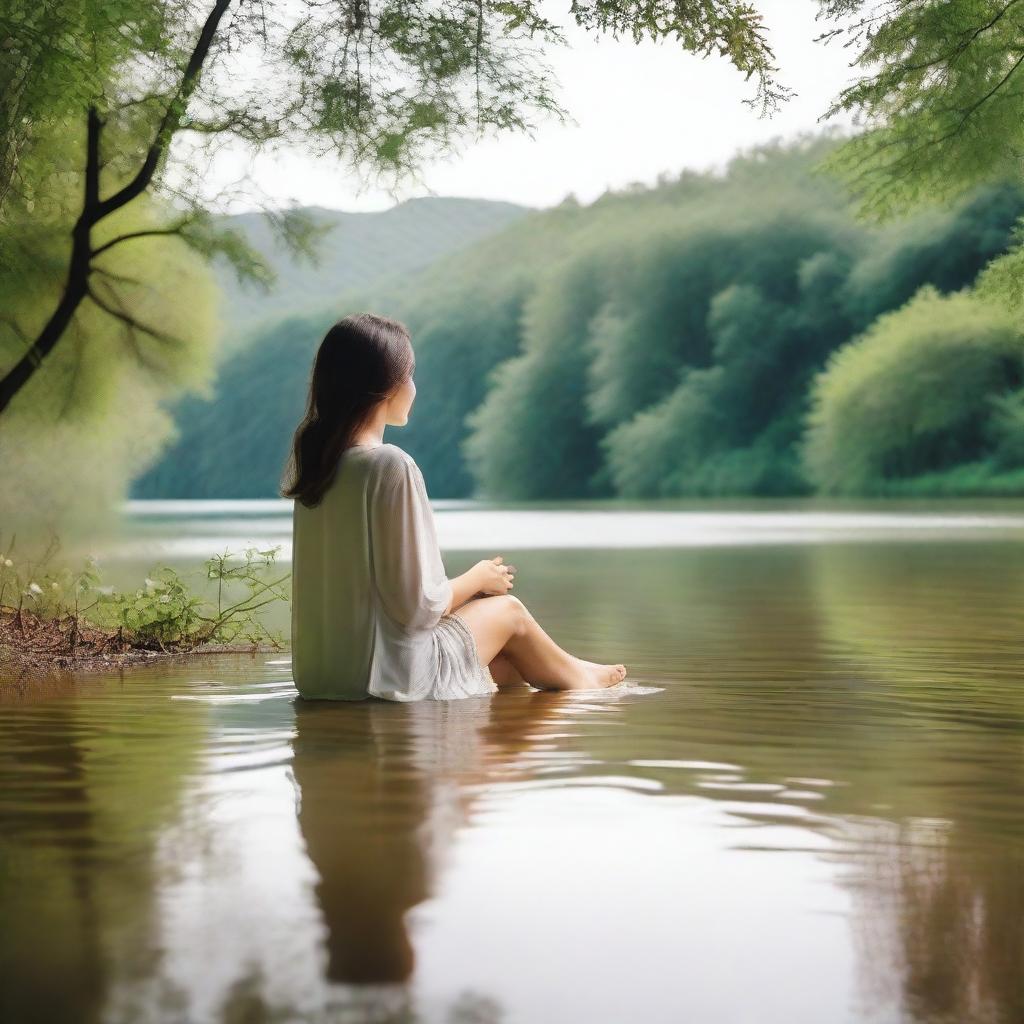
94 210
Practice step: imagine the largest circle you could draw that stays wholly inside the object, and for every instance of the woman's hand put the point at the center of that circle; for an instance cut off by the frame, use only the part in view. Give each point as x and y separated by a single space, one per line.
493 577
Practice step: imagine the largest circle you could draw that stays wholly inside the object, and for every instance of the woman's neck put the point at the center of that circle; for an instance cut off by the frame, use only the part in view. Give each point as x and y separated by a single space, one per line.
372 430
370 441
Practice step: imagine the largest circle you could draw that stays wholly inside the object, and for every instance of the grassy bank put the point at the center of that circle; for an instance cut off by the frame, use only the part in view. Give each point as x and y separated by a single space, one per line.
56 620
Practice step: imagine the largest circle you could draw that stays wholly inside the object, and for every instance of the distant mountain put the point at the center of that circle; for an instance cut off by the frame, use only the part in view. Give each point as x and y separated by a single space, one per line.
269 338
361 248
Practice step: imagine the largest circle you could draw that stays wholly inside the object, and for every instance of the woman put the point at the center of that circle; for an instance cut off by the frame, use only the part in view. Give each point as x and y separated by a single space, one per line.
373 613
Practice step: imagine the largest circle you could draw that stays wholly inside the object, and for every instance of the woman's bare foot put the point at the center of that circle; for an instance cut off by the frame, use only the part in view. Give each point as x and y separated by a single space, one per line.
594 676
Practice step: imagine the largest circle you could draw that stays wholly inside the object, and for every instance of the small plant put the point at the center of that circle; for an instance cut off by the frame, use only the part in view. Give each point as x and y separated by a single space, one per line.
160 613
164 613
46 594
239 619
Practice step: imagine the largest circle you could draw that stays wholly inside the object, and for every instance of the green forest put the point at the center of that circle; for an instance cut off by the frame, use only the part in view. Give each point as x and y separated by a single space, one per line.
738 333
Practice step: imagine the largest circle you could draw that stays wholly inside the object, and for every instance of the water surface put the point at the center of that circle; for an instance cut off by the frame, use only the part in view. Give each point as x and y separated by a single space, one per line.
804 805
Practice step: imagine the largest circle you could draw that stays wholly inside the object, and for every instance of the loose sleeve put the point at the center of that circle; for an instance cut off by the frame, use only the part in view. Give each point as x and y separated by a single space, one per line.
409 574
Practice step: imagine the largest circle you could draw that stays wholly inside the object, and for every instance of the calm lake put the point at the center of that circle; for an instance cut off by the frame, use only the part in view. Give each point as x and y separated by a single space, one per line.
804 804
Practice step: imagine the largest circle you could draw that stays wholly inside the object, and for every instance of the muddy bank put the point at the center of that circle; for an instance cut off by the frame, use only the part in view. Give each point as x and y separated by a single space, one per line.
36 651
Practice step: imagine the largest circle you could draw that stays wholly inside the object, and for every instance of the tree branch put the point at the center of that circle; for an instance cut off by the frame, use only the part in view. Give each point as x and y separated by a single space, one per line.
172 115
129 321
120 278
148 232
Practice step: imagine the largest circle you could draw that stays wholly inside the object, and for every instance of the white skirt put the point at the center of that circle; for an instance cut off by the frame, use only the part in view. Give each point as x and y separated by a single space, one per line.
459 672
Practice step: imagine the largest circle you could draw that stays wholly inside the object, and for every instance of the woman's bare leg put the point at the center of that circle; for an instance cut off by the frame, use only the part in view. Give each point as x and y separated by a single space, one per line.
504 673
503 625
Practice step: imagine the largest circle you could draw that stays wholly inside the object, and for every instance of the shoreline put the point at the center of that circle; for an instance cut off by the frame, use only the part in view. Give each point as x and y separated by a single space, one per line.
38 651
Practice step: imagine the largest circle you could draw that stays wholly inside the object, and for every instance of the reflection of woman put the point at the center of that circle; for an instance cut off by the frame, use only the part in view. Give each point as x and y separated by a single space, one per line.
380 799
373 613
371 868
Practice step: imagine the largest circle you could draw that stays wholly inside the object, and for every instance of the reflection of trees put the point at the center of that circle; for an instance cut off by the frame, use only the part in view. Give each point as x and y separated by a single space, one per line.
938 625
47 893
933 631
941 923
87 782
381 798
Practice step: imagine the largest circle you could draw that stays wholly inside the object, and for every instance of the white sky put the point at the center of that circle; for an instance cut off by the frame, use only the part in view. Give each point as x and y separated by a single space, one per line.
641 110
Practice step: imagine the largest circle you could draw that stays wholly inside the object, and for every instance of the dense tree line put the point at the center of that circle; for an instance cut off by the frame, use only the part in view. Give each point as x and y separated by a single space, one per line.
696 338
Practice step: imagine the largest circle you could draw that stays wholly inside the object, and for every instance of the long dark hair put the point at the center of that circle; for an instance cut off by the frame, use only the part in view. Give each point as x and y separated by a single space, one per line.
361 360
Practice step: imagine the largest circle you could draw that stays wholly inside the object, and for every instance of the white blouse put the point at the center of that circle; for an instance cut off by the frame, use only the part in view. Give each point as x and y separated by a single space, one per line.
368 583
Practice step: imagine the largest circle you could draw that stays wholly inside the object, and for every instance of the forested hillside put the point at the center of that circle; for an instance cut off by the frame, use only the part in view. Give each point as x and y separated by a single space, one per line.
355 250
717 334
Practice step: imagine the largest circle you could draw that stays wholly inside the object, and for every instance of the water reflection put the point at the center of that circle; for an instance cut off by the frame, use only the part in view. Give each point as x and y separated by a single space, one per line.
812 813
88 779
382 791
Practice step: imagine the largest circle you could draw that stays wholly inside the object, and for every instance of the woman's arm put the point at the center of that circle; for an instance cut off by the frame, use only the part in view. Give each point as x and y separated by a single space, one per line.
410 575
408 572
464 587
489 576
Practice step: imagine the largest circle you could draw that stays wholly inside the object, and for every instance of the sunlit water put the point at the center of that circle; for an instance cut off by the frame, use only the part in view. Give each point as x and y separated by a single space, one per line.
804 805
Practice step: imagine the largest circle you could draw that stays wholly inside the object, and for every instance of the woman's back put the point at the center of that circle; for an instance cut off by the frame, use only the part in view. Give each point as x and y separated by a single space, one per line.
368 583
332 613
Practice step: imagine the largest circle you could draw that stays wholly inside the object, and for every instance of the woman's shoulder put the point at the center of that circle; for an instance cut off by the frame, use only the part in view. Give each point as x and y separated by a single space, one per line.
391 453
390 460
396 452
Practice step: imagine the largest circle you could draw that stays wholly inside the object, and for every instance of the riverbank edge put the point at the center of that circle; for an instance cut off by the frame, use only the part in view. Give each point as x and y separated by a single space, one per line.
36 651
